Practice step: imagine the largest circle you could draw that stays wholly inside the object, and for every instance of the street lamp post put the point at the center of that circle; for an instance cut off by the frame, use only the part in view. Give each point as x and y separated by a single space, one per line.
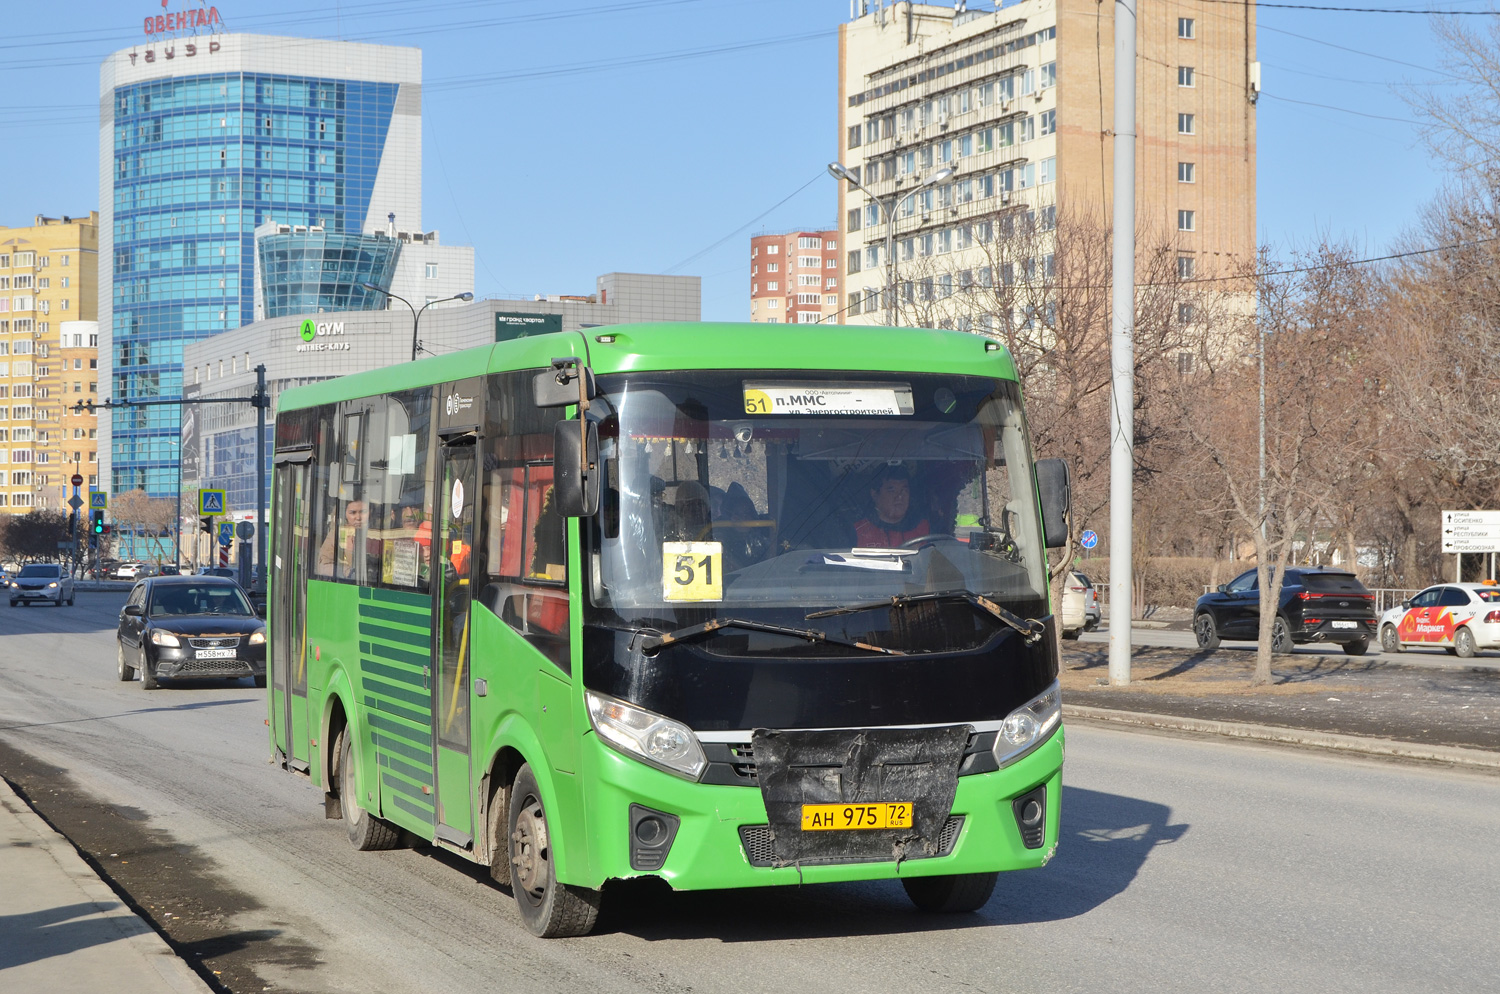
416 315
888 209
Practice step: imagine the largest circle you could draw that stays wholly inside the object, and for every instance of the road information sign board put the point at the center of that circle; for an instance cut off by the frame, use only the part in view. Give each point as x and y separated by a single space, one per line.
210 502
98 500
1471 531
226 532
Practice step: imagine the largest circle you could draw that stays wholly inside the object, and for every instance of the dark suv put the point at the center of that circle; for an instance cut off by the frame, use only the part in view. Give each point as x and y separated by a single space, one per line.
1317 605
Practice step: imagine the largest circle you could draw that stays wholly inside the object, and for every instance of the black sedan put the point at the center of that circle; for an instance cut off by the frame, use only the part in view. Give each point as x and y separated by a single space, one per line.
190 627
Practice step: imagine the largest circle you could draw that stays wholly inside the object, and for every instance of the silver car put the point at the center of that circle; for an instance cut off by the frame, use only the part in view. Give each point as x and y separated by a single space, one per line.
42 582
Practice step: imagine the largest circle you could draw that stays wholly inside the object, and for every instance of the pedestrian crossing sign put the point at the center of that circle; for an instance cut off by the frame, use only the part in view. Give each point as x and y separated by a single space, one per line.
210 502
98 500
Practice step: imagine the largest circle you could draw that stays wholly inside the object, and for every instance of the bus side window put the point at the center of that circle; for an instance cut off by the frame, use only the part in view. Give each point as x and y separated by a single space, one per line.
525 540
325 494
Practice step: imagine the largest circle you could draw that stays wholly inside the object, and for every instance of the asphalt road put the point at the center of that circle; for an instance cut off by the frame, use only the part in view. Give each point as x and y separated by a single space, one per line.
1185 865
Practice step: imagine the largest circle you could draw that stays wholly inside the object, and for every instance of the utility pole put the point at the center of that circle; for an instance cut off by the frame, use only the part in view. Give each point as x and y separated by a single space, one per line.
1122 352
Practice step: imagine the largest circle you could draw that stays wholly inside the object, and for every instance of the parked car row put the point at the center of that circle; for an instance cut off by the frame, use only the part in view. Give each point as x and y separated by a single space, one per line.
1331 605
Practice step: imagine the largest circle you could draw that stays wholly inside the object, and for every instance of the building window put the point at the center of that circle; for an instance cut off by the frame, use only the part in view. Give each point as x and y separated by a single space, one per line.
855 133
1186 221
432 270
1048 171
1186 28
1184 267
1185 124
1184 75
853 224
1184 313
808 242
1184 363
773 250
1049 122
1049 74
1186 173
773 285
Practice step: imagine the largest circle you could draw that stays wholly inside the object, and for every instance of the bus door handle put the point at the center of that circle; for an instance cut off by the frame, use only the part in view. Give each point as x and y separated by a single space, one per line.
427 677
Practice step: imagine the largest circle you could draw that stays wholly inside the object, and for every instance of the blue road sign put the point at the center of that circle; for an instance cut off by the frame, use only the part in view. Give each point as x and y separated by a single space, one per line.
226 532
210 502
98 500
1089 539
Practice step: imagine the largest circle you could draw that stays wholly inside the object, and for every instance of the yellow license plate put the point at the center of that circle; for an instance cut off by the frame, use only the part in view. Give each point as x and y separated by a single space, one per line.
842 817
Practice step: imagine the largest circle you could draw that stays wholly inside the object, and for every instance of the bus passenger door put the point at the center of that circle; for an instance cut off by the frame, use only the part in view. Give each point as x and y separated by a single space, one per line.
452 550
288 676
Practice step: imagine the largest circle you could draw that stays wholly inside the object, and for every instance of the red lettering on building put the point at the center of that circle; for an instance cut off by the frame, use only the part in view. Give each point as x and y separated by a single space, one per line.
182 20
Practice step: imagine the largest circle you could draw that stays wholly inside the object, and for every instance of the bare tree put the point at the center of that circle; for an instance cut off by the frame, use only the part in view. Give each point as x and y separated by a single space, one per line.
1313 329
147 517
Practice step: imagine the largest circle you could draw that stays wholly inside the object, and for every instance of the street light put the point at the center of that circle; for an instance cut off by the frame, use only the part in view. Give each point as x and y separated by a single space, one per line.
416 315
888 208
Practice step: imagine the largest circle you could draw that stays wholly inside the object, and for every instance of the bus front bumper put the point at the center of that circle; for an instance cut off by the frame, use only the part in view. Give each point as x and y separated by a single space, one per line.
708 849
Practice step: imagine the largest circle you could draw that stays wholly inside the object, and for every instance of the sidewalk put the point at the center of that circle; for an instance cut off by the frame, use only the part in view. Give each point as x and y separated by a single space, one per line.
62 930
1432 707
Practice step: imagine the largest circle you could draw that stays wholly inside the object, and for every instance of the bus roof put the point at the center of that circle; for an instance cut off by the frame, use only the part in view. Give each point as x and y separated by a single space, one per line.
688 345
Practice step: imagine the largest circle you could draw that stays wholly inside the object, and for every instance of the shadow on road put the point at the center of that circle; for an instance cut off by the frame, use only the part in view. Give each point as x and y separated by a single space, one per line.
194 706
1106 840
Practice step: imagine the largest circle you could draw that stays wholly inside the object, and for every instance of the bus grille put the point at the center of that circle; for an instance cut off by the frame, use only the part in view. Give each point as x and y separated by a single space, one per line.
760 850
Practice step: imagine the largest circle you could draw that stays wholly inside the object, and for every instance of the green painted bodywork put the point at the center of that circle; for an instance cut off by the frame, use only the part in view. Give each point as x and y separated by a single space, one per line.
367 652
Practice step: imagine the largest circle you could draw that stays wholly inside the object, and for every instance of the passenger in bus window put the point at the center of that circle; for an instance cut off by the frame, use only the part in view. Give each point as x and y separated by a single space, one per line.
351 532
892 521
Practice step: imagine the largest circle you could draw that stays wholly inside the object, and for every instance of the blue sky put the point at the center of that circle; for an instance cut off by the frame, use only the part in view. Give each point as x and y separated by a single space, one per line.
568 138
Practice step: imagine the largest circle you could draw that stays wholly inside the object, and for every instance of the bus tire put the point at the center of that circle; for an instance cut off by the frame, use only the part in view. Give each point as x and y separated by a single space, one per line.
951 894
549 909
366 832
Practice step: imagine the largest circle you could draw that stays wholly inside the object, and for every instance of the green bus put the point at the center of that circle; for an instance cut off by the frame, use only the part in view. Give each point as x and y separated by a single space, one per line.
728 605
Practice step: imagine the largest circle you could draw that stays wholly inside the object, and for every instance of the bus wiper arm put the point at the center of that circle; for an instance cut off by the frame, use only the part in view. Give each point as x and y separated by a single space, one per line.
1030 628
694 632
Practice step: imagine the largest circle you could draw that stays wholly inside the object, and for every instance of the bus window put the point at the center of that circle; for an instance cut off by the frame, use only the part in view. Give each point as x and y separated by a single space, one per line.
525 539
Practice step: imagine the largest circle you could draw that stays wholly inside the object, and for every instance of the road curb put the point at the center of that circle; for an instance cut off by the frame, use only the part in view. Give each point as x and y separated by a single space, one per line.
1358 744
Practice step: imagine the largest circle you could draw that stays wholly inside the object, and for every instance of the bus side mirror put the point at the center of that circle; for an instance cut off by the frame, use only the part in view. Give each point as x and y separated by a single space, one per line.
575 467
1054 488
558 386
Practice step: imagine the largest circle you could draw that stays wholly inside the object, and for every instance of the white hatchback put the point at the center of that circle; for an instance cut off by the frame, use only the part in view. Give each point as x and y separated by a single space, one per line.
1460 617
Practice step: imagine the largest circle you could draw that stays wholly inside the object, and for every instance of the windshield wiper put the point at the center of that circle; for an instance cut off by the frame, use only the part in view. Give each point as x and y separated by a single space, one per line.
692 633
1030 628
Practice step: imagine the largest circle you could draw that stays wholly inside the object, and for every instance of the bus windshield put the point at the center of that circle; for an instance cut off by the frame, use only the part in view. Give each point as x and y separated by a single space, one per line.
785 493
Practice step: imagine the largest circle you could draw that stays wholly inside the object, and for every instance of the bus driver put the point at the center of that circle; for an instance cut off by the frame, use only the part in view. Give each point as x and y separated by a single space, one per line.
893 521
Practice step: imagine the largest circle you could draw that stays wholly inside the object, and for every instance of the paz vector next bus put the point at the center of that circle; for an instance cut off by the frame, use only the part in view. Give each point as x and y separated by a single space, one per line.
728 605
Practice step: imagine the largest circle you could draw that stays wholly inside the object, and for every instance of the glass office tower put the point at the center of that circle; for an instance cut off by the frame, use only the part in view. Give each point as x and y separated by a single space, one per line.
202 138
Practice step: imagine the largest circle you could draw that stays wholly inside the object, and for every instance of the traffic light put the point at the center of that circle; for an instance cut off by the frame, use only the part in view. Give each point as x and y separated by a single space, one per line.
206 524
98 522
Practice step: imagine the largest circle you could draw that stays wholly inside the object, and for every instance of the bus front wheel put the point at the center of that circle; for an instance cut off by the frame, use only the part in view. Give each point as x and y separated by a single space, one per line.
366 832
550 909
946 895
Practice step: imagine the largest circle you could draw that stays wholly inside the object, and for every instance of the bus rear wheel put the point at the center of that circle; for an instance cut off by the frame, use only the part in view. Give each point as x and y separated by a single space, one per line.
550 909
366 832
950 894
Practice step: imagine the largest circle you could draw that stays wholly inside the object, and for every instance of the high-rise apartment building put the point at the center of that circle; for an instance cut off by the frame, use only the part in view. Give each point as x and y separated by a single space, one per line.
48 360
201 140
1018 104
794 277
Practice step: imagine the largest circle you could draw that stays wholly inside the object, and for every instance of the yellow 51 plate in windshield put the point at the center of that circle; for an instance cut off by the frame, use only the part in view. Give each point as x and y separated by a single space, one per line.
842 817
836 399
692 571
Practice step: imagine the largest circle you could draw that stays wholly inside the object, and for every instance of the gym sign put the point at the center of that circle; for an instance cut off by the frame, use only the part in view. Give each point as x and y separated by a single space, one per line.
311 331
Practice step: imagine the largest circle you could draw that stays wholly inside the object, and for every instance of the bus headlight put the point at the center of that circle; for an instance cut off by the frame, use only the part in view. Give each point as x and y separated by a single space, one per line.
666 744
159 637
1029 725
